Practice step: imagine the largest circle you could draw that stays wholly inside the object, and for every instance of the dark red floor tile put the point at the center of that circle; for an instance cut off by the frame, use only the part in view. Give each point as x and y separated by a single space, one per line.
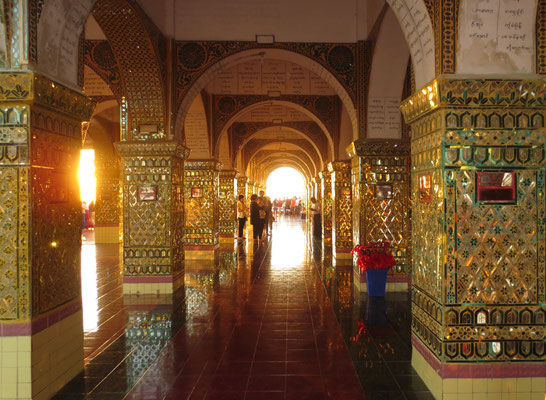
312 383
261 383
268 368
265 396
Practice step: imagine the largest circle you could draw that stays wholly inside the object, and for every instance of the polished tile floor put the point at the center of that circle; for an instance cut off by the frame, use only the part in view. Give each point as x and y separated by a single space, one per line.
274 320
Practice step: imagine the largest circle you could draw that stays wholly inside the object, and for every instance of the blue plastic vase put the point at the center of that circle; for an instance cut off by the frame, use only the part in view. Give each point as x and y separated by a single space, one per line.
377 282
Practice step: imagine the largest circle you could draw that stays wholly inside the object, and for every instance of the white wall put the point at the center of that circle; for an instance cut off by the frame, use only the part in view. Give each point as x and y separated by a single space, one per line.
288 20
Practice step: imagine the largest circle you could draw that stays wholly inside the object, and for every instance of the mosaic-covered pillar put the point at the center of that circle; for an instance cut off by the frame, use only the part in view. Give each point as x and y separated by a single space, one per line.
153 215
326 185
478 215
109 201
40 235
382 203
227 204
242 186
342 234
202 212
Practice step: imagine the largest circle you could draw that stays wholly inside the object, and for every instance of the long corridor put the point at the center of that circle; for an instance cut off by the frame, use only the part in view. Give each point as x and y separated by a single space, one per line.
273 320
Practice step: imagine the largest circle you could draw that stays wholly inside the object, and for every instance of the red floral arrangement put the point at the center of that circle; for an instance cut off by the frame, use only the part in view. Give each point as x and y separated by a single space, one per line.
374 255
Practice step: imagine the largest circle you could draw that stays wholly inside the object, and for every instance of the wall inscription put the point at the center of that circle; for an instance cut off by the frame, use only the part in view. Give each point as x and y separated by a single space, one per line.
384 118
496 36
417 27
266 76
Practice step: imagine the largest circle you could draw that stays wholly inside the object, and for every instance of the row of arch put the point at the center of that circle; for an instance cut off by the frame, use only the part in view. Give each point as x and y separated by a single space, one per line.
141 53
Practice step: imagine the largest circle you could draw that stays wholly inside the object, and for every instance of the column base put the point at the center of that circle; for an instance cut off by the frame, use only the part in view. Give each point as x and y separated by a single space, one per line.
157 285
478 381
200 252
40 357
227 237
107 234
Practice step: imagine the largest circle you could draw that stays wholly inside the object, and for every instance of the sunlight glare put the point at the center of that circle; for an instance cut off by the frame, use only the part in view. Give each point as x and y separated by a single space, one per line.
86 173
285 182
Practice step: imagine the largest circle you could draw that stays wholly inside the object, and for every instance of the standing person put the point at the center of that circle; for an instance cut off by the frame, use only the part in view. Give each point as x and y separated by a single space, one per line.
255 218
241 215
317 225
263 218
293 206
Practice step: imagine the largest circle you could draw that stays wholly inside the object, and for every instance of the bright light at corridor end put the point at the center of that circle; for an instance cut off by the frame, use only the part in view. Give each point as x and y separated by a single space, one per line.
86 173
285 182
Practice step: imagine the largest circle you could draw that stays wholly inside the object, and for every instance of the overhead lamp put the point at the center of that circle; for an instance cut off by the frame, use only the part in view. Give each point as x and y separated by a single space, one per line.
265 39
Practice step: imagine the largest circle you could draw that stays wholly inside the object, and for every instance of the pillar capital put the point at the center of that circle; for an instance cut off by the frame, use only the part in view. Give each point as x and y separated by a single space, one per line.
444 93
324 174
152 148
35 89
207 164
378 147
229 173
340 165
242 179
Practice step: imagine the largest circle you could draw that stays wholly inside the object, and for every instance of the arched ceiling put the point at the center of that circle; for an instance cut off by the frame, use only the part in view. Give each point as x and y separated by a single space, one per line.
278 134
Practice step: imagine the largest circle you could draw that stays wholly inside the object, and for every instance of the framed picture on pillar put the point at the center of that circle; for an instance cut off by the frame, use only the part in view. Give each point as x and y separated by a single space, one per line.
196 192
383 192
147 193
496 187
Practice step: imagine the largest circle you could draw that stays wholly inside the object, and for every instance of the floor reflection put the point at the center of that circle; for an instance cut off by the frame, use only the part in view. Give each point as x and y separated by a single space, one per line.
261 320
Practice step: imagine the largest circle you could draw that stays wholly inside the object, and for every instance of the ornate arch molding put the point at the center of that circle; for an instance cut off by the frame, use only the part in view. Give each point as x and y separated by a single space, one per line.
198 62
541 38
326 110
254 145
98 55
242 131
141 55
194 58
420 36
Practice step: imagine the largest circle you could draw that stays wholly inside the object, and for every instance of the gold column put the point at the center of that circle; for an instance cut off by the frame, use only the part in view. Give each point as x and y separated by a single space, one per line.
202 212
381 203
227 204
342 235
242 186
326 185
109 201
478 194
153 215
40 234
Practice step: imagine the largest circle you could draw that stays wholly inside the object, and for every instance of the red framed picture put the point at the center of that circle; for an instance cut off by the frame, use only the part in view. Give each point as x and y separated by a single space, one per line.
196 192
147 193
494 187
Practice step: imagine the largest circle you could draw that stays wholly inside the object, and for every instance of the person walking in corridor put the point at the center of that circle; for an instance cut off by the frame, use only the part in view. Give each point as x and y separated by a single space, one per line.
255 220
317 223
241 215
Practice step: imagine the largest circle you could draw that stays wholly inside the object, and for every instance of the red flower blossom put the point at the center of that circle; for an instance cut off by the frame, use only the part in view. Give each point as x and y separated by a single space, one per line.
374 256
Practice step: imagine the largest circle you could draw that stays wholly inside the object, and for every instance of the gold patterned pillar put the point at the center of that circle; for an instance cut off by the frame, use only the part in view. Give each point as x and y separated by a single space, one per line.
382 203
326 185
242 186
202 212
40 235
227 204
153 215
342 234
478 210
109 201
